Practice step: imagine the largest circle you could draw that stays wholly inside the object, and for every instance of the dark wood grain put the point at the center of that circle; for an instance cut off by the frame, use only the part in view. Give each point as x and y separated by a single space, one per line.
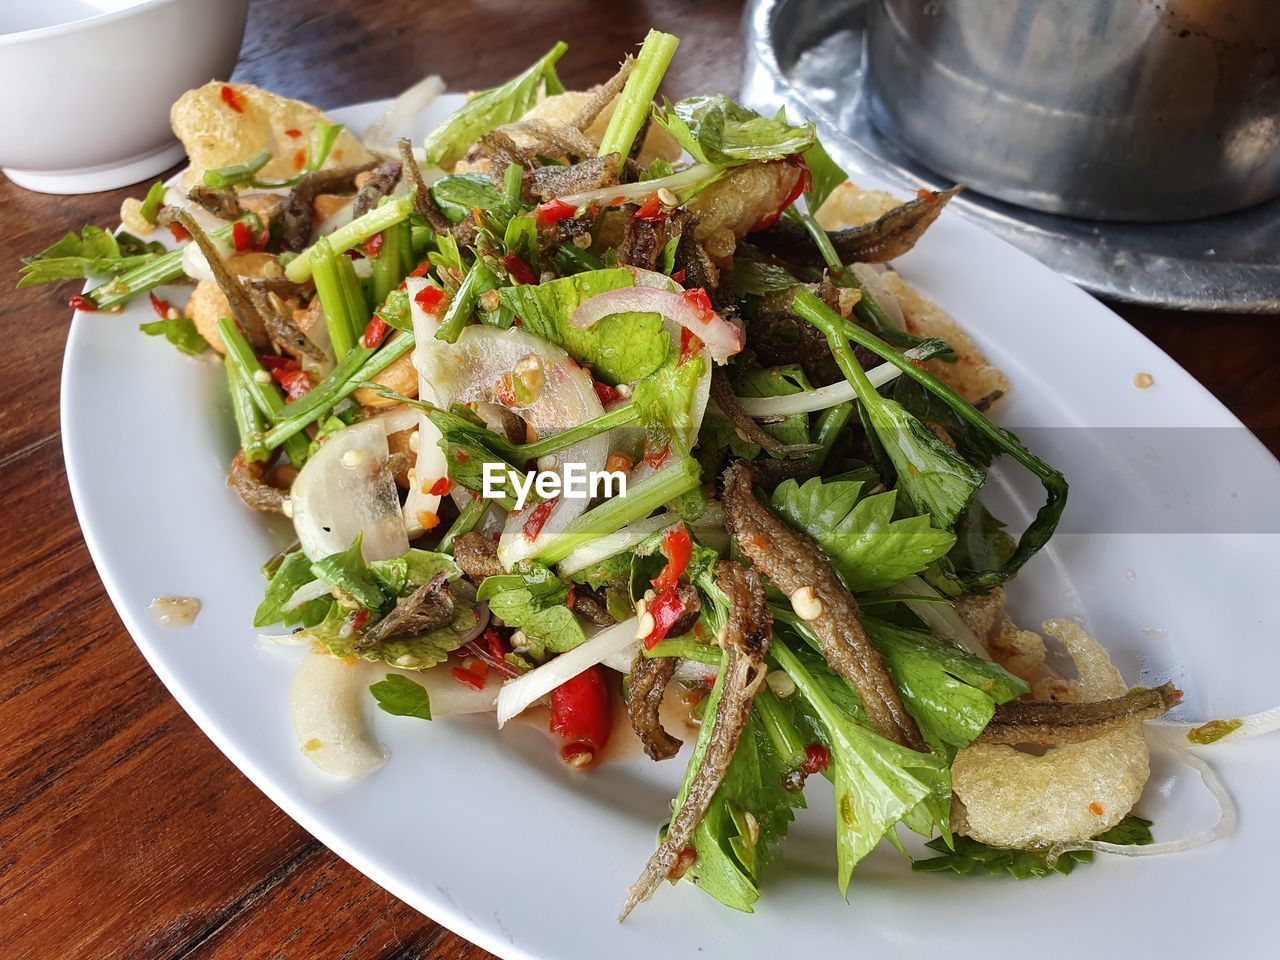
123 832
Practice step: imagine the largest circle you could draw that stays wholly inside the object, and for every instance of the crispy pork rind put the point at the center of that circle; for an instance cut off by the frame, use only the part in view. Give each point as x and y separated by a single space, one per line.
564 107
851 206
215 134
1069 793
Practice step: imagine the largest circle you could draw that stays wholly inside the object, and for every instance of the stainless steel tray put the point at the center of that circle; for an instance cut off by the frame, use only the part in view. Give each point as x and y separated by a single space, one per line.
807 55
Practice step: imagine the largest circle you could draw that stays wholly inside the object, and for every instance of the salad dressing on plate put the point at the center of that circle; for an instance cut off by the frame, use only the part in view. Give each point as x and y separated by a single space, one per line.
174 612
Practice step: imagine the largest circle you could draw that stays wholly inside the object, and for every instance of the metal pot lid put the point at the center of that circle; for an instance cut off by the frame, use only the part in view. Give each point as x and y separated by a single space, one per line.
807 55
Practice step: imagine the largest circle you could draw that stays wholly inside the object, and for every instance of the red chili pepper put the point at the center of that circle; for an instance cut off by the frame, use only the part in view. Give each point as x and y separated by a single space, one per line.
299 159
690 345
232 99
803 183
652 209
570 597
421 269
496 647
468 678
274 362
374 332
678 276
697 299
655 460
607 394
686 859
929 196
241 236
677 546
818 758
553 211
179 232
81 302
666 609
294 382
537 518
581 713
359 619
293 132
441 487
161 307
429 299
520 271
373 245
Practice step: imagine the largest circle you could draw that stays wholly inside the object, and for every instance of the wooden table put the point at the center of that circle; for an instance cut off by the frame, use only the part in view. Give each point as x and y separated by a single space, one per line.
123 831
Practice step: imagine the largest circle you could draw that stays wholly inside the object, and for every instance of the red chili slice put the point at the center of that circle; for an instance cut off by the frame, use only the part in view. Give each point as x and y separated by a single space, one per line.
373 245
553 211
652 210
374 332
607 394
161 307
817 758
179 232
697 299
803 183
665 609
232 99
537 518
520 271
81 302
429 299
677 546
241 237
690 345
441 487
581 711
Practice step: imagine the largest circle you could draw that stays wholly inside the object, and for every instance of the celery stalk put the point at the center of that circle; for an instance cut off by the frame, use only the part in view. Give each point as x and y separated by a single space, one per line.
637 96
357 231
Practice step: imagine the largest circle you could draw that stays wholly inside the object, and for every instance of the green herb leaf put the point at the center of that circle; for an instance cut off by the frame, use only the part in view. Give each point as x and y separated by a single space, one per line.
402 697
95 252
532 599
490 109
293 572
348 571
458 194
400 576
620 348
180 331
825 175
972 857
870 549
715 130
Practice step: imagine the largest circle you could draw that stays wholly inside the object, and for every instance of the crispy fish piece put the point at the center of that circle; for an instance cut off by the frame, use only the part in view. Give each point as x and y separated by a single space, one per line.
477 555
423 201
297 216
428 607
881 240
1053 721
249 481
602 96
549 182
380 184
649 679
745 641
243 308
750 431
793 562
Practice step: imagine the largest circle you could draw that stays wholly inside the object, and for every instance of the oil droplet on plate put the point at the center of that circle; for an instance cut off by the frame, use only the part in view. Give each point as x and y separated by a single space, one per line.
174 612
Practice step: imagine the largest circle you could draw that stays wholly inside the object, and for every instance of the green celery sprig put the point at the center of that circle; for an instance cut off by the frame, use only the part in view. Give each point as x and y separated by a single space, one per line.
257 380
637 96
1041 528
357 231
249 421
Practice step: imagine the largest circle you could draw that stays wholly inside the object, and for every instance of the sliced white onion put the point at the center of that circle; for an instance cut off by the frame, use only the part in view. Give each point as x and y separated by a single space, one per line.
698 175
481 366
607 546
330 706
397 420
431 464
693 671
380 137
347 490
821 398
205 219
194 263
1223 828
941 618
1253 725
722 338
339 218
528 688
306 593
880 292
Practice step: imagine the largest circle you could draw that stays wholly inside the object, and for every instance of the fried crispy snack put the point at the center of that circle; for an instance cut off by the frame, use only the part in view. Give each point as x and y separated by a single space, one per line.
219 129
1015 799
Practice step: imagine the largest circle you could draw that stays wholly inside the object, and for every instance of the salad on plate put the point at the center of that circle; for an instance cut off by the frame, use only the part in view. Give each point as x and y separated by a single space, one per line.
612 412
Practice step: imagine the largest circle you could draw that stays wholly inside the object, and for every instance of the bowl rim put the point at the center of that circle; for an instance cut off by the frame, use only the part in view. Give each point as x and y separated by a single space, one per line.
73 26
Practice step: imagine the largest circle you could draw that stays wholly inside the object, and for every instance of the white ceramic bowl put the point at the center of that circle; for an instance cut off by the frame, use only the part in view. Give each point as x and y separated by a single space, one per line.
88 85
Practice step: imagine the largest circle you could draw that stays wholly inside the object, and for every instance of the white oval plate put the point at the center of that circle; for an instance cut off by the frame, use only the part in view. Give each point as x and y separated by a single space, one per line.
490 835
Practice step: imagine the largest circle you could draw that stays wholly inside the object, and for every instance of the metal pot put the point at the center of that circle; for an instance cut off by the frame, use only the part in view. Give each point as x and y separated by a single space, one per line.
1107 109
